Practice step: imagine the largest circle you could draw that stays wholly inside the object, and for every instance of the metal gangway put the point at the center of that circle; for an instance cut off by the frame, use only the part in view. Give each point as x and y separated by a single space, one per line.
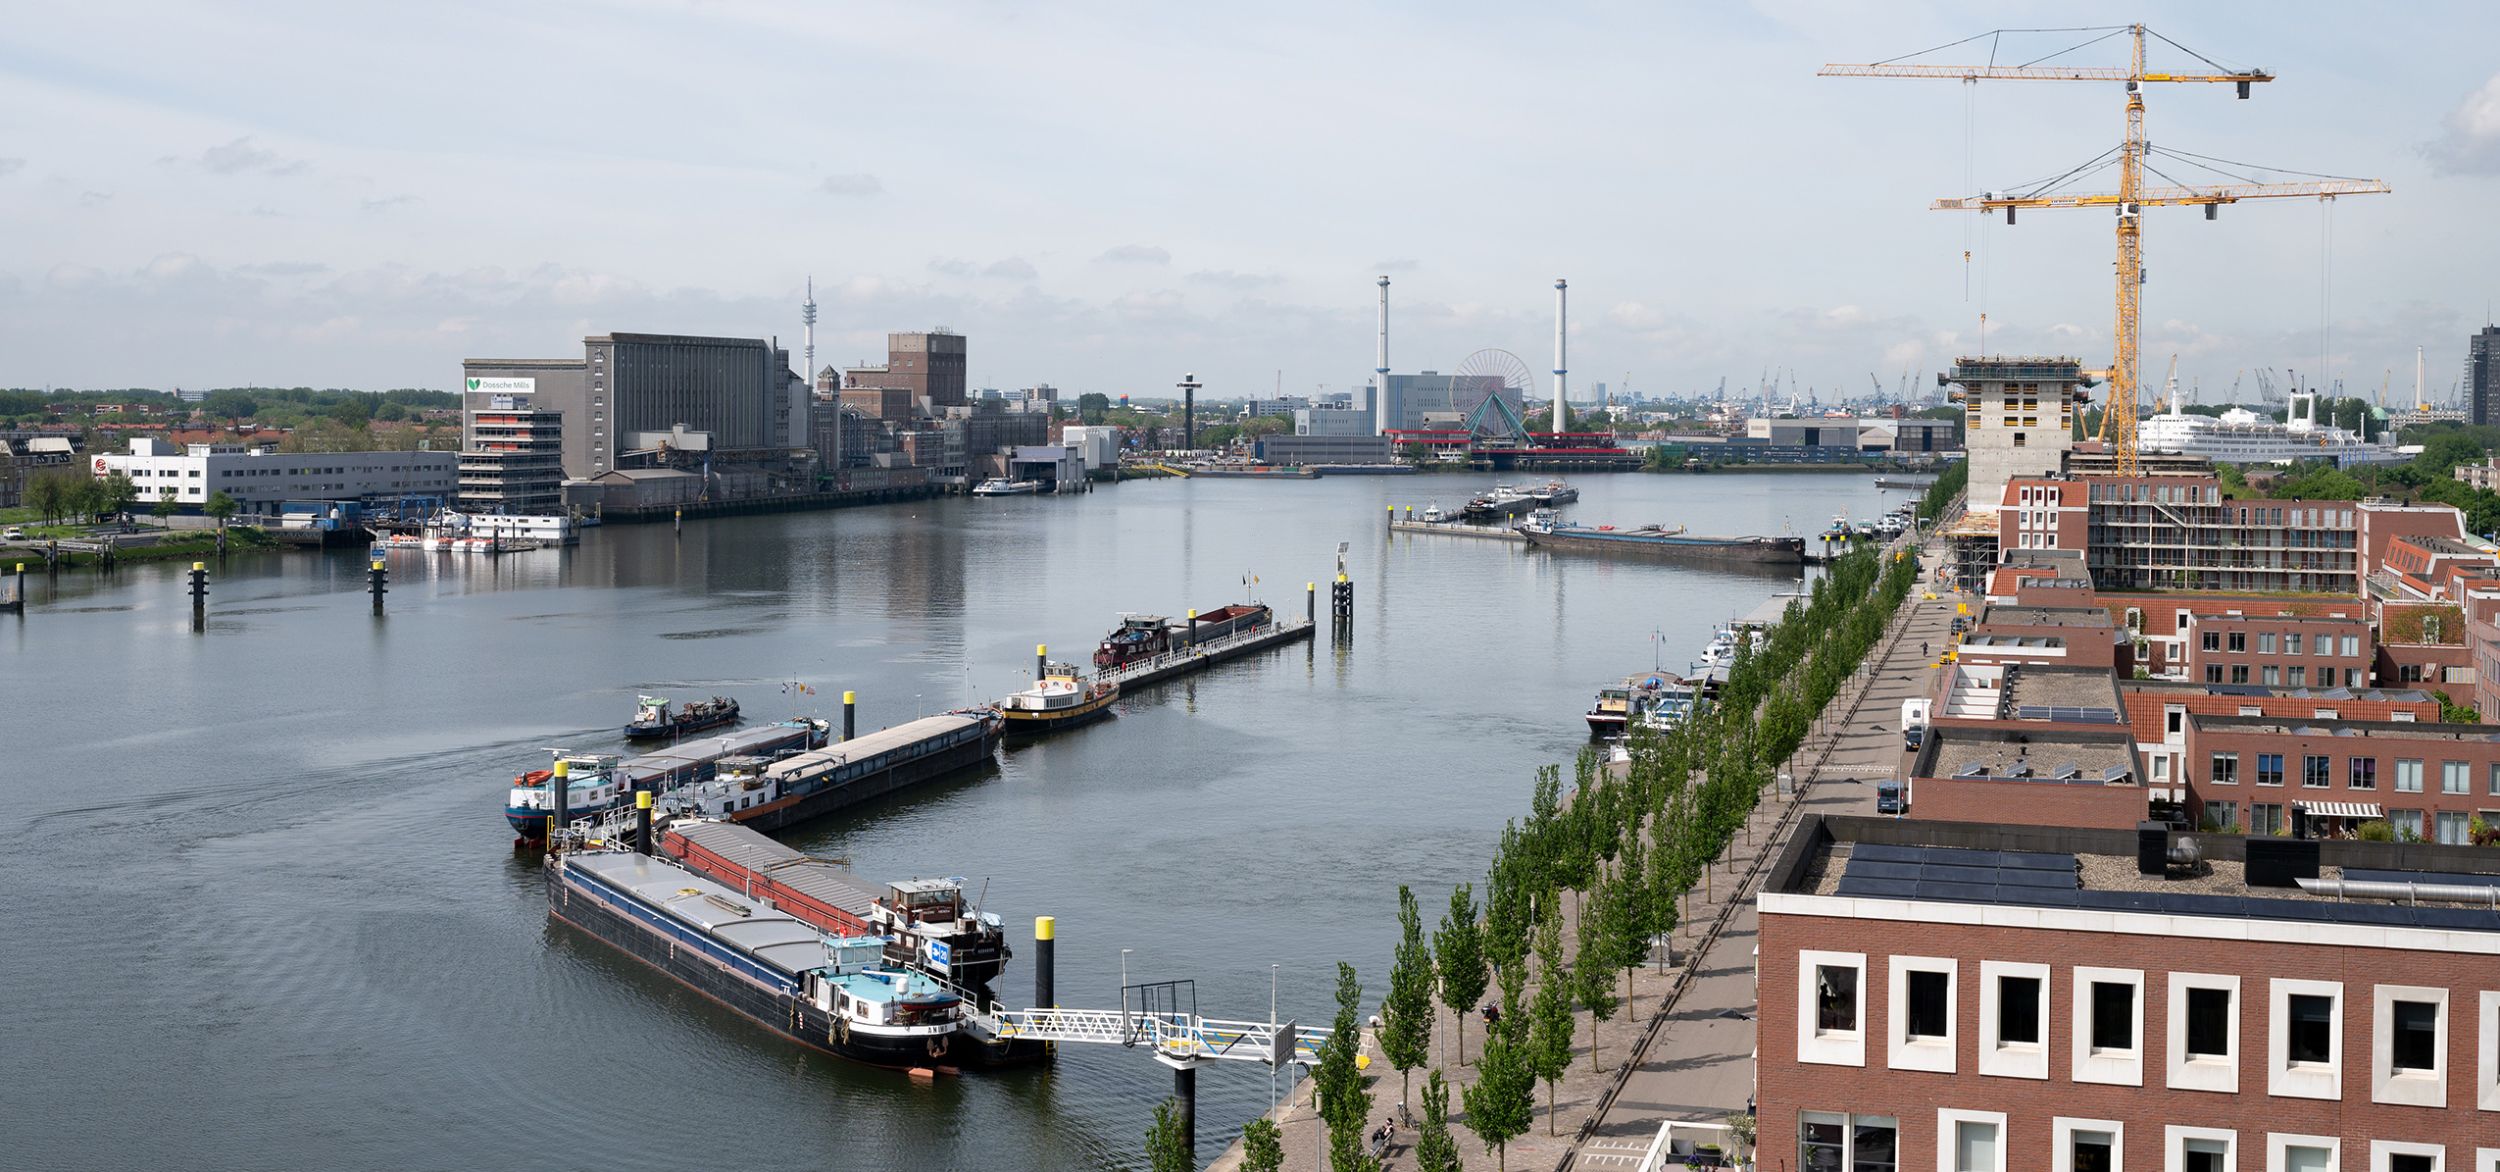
1173 1035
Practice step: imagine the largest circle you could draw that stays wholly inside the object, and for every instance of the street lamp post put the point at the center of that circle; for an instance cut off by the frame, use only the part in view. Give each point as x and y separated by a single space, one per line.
1124 979
1273 1041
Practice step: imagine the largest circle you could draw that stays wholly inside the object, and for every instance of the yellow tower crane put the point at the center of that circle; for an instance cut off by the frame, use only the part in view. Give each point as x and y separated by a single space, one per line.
2132 195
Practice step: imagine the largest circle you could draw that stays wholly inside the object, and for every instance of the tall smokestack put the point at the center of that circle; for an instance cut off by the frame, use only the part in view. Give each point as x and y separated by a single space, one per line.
1562 318
2418 401
1380 366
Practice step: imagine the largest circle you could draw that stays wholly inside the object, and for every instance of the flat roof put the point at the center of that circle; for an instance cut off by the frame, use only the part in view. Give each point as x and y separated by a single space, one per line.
2016 615
2033 686
1993 639
2020 754
2407 730
2260 691
1840 864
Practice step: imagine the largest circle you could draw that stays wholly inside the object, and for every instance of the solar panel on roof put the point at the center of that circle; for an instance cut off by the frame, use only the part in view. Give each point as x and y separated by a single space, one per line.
1958 892
2036 860
1857 888
1887 852
2017 877
1878 869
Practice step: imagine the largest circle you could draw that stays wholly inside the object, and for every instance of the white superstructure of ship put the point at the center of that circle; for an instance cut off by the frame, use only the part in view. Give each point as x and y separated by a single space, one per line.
2241 436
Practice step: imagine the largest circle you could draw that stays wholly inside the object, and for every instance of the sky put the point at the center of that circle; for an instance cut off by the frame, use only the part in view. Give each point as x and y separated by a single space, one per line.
1105 196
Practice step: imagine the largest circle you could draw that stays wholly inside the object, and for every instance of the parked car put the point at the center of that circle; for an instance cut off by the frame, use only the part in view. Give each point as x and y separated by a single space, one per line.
14 534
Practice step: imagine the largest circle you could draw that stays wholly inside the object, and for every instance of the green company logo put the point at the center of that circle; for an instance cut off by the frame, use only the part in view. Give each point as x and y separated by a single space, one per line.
473 384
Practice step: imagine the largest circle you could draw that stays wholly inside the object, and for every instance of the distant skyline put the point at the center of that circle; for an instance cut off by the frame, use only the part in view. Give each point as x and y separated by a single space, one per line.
1105 196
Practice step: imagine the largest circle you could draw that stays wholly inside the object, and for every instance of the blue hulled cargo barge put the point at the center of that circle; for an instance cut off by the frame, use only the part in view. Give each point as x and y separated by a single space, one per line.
597 784
837 994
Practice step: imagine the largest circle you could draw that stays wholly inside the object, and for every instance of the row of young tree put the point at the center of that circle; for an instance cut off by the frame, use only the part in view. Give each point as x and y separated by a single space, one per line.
66 494
1621 853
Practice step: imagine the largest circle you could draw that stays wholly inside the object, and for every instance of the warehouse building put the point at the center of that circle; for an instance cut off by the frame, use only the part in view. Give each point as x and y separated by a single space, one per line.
260 479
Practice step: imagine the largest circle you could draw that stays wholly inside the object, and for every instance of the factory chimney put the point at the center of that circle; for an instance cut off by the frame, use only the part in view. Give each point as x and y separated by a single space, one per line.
1562 318
1380 367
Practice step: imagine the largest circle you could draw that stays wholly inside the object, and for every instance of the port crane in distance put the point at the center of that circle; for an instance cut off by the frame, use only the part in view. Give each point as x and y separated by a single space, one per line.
2132 196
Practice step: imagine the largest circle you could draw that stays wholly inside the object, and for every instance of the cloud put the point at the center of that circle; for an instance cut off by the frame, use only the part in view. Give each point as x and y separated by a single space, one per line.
284 268
952 266
851 185
1226 278
388 202
1137 254
94 199
10 166
1014 268
2470 145
241 157
1395 266
268 213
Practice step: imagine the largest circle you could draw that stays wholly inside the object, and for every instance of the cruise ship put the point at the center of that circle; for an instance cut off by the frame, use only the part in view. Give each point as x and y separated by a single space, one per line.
2241 436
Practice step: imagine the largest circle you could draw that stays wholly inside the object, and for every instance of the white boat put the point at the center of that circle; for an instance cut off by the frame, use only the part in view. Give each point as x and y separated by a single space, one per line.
2241 436
1001 487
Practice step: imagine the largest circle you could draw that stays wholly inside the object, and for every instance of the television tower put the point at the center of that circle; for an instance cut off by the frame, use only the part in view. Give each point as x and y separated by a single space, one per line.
1561 368
807 314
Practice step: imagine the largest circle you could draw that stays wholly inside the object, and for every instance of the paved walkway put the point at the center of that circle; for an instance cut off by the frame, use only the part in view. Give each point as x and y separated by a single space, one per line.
1699 1066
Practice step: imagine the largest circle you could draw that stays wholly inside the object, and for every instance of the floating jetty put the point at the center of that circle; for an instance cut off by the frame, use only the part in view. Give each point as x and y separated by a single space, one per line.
1458 529
1208 653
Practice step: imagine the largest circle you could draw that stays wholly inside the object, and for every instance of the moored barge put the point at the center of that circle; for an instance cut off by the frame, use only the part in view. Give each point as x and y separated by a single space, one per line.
1652 541
769 794
599 783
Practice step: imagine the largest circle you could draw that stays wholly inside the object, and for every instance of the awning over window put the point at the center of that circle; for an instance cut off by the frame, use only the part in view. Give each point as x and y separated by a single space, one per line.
2362 810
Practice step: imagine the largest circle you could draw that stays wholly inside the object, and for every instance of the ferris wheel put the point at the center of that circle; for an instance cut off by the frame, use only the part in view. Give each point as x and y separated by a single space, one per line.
1502 364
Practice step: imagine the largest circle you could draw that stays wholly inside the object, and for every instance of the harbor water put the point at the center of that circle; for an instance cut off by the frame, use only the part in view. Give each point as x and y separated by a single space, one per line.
267 912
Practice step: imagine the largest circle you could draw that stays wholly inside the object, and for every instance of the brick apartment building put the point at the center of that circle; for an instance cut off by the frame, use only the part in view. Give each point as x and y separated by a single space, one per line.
1974 998
2427 780
2280 650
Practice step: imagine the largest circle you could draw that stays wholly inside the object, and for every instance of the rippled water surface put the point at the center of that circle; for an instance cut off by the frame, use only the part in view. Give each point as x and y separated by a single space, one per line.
265 911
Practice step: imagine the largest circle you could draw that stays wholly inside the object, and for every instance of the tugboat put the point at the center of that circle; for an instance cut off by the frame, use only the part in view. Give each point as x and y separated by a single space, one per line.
1060 699
1553 493
999 486
1502 503
654 722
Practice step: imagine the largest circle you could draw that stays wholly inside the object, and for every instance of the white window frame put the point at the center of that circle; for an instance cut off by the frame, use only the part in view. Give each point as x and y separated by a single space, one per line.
2320 1080
2380 1149
2277 1143
2487 1160
1947 1141
2117 1069
2062 1141
2487 1053
1999 1059
2202 1074
2174 1146
2411 1089
1837 1047
1901 1052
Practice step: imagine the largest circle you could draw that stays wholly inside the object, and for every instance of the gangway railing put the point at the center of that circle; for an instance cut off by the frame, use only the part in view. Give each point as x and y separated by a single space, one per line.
1170 1035
1201 650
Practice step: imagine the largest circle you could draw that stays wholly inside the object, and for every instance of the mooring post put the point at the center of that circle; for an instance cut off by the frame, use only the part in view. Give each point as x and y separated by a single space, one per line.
1310 603
1193 626
642 818
199 595
379 578
678 522
1045 955
1341 606
850 715
1185 1090
560 781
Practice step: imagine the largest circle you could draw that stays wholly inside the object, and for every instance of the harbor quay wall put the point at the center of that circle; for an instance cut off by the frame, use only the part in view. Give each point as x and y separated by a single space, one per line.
784 504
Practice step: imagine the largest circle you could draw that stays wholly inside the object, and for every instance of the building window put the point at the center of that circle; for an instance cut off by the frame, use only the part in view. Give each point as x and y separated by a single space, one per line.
1828 1142
1970 1141
2291 643
2200 1149
2272 675
2113 1016
2239 641
2225 769
2455 777
2209 1023
2086 1145
2204 1032
2265 642
2212 641
1922 1014
2213 673
2349 645
1833 999
2269 768
2408 775
2109 1026
2265 818
2304 1045
2013 1012
2407 824
2453 827
2388 1155
2239 673
2303 1153
2316 771
2299 676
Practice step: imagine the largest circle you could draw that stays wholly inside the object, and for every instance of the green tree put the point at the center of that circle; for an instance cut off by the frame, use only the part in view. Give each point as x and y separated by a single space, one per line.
2451 712
1435 1151
1349 1150
1262 1146
1592 977
1503 1099
1629 925
1459 949
117 495
48 493
1343 1101
1550 1020
1167 1147
390 413
352 411
220 507
1406 1013
1092 406
165 507
87 498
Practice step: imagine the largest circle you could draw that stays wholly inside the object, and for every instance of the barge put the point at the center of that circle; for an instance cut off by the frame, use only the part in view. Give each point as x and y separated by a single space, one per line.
1144 636
656 720
769 794
1657 542
834 993
1060 699
927 924
598 783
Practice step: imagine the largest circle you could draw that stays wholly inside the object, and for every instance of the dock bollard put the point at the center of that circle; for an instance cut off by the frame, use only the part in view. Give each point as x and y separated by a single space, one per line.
377 583
677 522
1310 603
199 594
1393 516
1193 627
850 715
560 780
642 819
1045 953
1341 607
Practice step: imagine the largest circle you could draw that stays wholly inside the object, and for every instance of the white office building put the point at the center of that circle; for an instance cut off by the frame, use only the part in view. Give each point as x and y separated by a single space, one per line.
260 478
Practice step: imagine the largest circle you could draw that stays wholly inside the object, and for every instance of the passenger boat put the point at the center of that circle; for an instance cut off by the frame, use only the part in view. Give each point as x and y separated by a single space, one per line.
1546 531
599 783
1618 705
1060 699
835 993
927 923
997 486
1434 514
654 721
1675 701
771 793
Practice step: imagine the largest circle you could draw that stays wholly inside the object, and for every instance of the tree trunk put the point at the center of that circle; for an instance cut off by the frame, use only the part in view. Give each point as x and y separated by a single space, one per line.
1549 1106
1461 1030
1593 1067
1628 1015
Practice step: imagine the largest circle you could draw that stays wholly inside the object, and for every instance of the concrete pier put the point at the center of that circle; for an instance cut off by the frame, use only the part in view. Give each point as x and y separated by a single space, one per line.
1173 664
